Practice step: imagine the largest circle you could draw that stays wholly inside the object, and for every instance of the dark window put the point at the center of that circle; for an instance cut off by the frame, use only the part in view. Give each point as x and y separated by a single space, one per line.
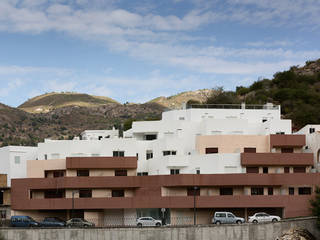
286 150
264 120
193 192
45 157
198 171
54 193
291 191
120 172
139 174
166 153
118 153
299 169
85 193
117 193
311 130
83 173
149 155
265 169
151 137
252 169
226 191
286 169
1 197
212 150
100 137
282 133
174 171
144 173
256 191
58 174
304 190
270 191
249 150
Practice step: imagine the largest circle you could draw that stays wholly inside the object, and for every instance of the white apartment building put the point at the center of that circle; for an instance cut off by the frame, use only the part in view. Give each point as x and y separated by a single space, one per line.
14 161
171 142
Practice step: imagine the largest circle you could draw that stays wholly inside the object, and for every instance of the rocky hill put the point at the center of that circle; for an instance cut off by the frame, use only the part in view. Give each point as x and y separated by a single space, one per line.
22 128
297 90
176 101
51 101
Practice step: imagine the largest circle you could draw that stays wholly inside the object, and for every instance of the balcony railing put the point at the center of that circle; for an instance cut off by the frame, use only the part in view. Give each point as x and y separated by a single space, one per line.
234 106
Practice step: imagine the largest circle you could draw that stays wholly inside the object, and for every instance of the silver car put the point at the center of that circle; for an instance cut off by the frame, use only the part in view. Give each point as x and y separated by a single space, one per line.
148 221
263 217
226 217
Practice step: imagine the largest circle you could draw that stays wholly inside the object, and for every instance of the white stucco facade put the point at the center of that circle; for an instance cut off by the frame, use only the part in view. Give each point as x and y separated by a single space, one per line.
13 161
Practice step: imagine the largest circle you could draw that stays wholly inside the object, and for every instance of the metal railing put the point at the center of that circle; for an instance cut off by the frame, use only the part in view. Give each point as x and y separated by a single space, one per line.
234 106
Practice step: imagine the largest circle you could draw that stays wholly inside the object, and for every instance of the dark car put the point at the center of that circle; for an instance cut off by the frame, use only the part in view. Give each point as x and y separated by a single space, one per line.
23 221
52 222
79 222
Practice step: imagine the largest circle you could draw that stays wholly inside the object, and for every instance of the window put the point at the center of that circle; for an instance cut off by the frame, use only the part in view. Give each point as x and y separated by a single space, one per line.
197 170
281 133
226 191
257 191
286 170
193 192
149 154
252 169
45 157
1 197
249 150
291 191
17 159
265 169
120 172
299 169
211 150
221 215
142 174
264 120
83 173
167 152
230 215
118 153
174 171
100 137
311 130
85 193
286 150
304 190
150 137
54 193
270 191
118 193
58 174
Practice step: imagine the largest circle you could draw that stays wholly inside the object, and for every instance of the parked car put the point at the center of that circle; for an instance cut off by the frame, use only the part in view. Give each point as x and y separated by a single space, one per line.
226 217
52 222
148 221
23 221
79 222
263 217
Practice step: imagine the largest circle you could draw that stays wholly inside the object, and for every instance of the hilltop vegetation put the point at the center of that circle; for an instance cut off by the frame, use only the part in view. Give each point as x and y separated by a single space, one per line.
176 101
296 90
50 101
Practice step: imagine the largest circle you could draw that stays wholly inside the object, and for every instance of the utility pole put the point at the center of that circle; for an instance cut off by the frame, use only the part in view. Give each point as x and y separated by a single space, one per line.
194 206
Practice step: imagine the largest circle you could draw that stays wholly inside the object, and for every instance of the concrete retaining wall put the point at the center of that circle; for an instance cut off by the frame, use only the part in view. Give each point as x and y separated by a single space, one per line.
226 232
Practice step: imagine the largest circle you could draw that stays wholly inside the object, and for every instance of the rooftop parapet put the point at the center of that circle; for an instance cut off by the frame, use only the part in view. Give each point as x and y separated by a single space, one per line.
268 106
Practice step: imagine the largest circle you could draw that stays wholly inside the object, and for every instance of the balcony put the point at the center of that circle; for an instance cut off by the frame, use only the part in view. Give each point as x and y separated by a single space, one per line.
101 162
276 159
282 140
239 201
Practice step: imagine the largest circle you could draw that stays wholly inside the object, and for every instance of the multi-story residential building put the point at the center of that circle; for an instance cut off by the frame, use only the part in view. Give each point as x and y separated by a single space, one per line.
240 158
13 161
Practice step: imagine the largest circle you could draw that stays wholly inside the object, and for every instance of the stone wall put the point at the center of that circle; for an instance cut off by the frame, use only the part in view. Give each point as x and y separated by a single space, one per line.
208 232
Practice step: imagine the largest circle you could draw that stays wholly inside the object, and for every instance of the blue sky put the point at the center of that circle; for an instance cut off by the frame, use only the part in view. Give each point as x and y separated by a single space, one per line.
138 50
